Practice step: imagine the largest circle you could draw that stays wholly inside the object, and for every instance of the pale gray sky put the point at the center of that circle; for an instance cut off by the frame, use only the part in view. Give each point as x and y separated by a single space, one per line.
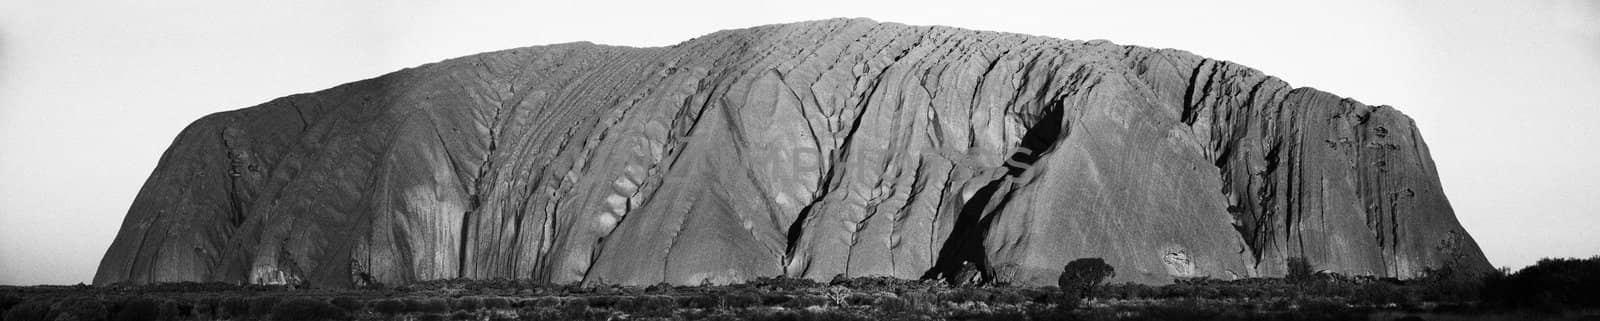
91 93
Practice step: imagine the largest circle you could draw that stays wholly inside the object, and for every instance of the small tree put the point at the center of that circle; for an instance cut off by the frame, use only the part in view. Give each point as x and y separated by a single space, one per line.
1080 277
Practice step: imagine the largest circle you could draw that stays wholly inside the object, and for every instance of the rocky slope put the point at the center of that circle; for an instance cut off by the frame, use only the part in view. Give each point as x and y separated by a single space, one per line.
810 149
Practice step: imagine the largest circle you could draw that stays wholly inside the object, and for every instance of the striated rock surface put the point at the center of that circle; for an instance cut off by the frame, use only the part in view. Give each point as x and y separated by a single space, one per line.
810 149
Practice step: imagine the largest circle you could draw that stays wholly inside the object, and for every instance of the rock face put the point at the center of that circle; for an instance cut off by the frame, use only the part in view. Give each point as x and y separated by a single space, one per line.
811 150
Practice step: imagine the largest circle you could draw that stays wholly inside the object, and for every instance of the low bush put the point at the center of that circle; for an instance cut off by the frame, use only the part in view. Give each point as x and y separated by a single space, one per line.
208 308
389 307
35 310
496 303
7 301
895 305
878 284
805 301
1555 284
1551 284
427 305
699 301
467 303
742 299
1008 296
235 308
648 305
138 309
1299 269
177 309
861 299
785 283
965 295
662 287
307 309
1037 295
78 308
775 299
262 305
350 304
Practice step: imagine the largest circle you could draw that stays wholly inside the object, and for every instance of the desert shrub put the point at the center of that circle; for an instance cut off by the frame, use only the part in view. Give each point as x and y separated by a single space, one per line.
1007 296
7 301
583 312
775 299
36 310
1190 309
837 294
1448 283
348 304
648 305
1036 295
427 305
894 305
602 302
819 315
803 301
78 308
536 313
1126 291
919 297
184 287
298 309
208 308
965 295
1299 269
662 287
467 303
1041 312
1548 284
785 283
613 289
138 309
877 283
235 307
496 303
1379 293
699 301
988 313
861 299
177 309
742 299
389 307
547 302
262 305
1195 289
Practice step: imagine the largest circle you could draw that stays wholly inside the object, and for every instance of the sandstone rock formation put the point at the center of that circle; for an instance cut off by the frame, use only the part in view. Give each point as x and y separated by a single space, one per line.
810 149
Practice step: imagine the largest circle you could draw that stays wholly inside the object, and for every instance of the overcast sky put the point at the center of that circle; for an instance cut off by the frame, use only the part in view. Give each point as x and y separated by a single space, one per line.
92 93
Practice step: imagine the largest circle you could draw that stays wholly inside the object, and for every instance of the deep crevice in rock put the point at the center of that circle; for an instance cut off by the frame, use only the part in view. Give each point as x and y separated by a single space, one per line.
965 243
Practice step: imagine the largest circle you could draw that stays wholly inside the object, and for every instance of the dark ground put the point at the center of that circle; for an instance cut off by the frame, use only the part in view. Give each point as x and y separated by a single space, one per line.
1553 289
1318 298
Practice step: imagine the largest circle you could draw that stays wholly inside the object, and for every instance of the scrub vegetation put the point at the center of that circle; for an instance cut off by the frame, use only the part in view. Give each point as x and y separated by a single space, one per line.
1551 289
